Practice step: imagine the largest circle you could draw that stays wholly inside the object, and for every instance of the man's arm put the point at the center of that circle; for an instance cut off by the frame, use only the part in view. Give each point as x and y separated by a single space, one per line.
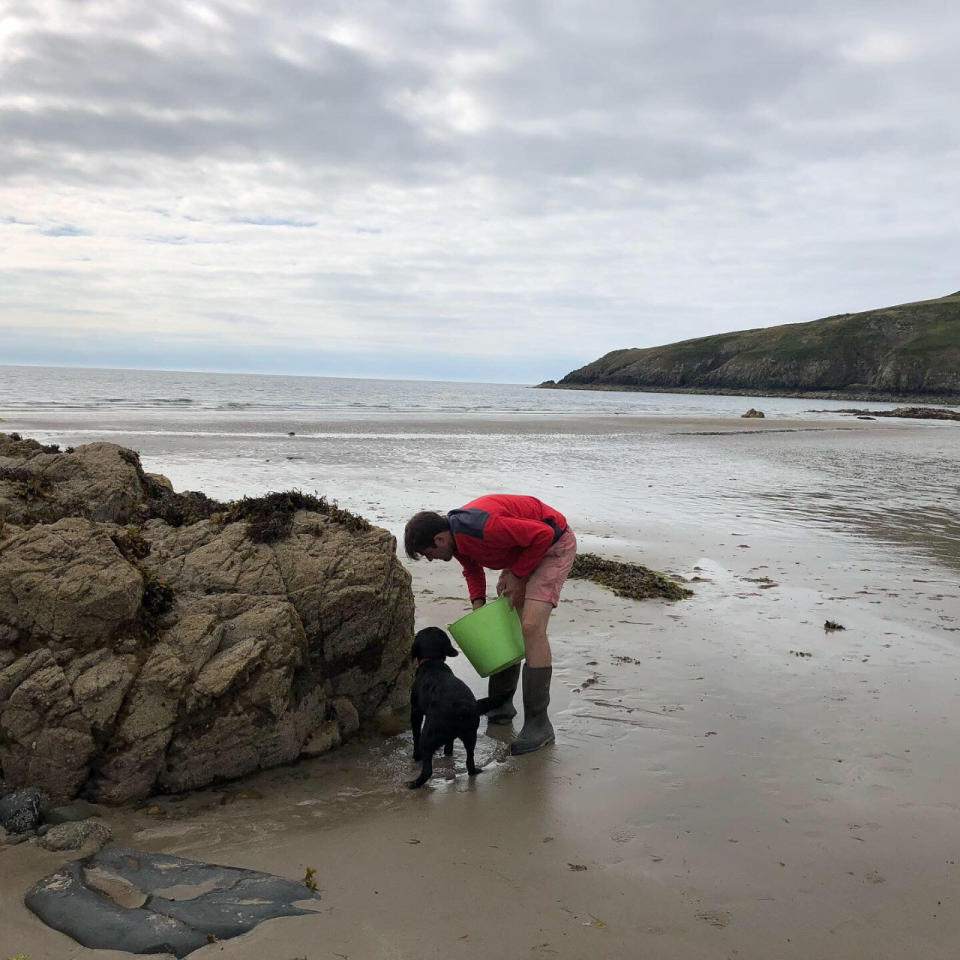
476 578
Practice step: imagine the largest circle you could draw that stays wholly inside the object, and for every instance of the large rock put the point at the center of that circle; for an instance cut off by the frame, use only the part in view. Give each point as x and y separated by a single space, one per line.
159 657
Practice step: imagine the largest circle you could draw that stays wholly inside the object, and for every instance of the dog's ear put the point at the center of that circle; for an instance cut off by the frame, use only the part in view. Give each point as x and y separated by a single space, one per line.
440 645
416 649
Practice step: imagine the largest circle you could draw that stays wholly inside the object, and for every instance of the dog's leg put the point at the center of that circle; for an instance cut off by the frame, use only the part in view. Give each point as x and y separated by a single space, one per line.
416 720
448 748
470 743
426 771
428 747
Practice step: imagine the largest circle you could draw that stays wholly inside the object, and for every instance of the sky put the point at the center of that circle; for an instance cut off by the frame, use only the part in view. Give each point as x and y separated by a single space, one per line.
455 189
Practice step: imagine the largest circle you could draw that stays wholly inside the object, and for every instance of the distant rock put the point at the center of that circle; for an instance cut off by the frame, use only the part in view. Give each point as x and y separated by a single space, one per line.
154 641
908 413
753 413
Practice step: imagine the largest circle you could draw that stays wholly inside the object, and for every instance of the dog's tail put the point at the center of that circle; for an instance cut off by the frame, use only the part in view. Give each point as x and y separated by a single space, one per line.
486 704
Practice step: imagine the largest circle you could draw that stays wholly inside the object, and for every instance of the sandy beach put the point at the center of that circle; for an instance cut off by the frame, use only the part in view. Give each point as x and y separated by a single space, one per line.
730 779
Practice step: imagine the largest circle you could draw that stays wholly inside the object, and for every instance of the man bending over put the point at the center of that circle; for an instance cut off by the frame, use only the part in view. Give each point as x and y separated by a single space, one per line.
533 547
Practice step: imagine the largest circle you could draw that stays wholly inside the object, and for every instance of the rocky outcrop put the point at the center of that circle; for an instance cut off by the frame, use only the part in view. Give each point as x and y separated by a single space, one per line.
907 413
138 655
911 351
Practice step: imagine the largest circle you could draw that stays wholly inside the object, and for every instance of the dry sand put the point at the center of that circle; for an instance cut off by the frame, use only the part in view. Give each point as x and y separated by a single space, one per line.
729 781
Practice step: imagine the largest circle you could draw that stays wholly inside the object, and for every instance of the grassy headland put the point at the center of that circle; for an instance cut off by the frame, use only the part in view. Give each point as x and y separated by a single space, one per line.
906 352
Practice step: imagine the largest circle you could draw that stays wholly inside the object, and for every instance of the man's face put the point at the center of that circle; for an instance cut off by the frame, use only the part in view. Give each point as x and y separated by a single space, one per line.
442 548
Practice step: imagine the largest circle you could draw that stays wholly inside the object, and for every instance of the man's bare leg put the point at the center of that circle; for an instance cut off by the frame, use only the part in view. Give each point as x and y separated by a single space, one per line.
534 617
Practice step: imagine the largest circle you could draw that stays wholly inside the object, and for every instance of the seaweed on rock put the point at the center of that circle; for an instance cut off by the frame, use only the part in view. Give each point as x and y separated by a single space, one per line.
270 518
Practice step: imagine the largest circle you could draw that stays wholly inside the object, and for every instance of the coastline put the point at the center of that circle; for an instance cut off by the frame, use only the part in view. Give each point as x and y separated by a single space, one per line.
950 400
726 793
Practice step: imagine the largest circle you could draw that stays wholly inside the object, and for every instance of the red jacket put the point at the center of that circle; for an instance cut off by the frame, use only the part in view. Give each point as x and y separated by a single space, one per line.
502 531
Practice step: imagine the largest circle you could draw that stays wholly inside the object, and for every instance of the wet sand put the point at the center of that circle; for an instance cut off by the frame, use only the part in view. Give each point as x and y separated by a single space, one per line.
729 779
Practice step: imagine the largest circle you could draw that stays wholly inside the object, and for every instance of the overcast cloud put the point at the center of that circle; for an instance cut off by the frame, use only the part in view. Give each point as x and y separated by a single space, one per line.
487 190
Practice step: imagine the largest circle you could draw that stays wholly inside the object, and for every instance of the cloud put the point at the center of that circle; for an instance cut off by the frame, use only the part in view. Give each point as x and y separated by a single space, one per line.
64 230
456 176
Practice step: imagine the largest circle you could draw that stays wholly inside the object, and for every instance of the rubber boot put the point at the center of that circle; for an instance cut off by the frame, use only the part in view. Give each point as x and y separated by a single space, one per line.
537 730
502 684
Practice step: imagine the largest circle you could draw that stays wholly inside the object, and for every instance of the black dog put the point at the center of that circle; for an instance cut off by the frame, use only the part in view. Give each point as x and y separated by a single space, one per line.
444 705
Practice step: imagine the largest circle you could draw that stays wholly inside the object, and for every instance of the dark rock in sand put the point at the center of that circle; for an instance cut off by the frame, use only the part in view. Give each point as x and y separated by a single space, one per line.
157 642
20 810
76 834
123 899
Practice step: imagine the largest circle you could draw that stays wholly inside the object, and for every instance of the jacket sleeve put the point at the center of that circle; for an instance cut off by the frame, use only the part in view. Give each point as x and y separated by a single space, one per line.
534 538
476 578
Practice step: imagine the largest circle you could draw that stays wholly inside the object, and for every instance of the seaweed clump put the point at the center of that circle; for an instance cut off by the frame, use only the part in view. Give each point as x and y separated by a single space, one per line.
631 580
157 600
131 544
27 486
270 518
158 597
178 509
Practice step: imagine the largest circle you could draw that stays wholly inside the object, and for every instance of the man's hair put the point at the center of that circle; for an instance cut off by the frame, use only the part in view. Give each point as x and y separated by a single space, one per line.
420 530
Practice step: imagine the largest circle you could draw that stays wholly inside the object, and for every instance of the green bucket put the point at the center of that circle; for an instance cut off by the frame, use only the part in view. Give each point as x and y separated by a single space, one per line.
490 637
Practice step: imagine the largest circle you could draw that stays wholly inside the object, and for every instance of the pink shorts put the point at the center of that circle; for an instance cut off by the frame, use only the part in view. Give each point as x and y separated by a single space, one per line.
551 572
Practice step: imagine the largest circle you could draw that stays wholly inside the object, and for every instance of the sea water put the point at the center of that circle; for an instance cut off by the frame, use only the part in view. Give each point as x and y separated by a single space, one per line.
625 467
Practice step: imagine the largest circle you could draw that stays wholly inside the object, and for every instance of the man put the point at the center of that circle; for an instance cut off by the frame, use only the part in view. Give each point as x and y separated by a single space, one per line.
533 547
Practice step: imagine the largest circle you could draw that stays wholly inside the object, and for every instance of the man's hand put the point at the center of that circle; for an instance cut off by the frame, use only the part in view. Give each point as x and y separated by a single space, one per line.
478 603
513 588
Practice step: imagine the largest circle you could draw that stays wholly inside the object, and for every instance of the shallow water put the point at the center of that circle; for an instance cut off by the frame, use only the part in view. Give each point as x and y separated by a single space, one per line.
619 465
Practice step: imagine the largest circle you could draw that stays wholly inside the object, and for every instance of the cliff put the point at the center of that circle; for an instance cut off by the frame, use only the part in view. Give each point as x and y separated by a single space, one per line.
910 351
